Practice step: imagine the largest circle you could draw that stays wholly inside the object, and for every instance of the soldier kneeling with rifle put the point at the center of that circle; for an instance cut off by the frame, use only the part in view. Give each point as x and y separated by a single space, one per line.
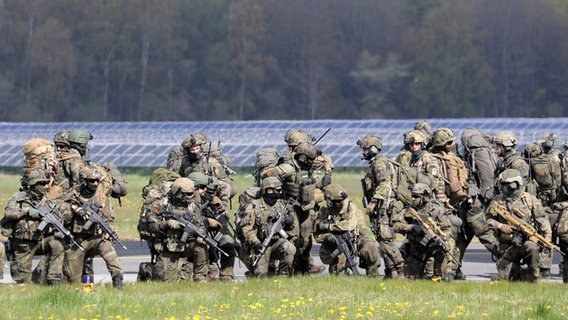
521 226
340 229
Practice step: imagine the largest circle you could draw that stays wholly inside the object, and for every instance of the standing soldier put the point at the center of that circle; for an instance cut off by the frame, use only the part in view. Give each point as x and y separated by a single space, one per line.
342 221
181 247
526 208
428 233
298 182
85 201
195 161
257 221
26 235
381 202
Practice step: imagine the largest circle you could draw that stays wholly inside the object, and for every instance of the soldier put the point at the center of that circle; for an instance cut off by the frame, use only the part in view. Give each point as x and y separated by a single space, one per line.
212 207
85 200
560 230
513 248
421 245
341 220
274 256
180 246
505 143
298 182
382 202
25 237
426 129
195 161
70 156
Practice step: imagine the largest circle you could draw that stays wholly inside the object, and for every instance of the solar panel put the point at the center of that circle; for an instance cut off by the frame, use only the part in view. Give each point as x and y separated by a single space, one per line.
142 144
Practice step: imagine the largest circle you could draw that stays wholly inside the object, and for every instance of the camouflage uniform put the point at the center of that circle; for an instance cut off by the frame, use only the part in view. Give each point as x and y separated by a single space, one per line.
26 240
560 230
419 249
298 182
92 239
256 221
379 181
525 207
212 207
339 216
173 262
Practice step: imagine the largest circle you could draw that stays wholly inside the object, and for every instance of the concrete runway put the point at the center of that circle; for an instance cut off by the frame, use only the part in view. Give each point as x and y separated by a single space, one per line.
477 264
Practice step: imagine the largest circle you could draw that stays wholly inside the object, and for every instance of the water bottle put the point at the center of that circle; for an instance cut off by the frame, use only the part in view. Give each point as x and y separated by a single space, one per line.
87 283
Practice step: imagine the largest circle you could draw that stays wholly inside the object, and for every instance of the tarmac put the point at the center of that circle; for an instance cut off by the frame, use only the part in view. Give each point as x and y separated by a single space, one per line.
476 265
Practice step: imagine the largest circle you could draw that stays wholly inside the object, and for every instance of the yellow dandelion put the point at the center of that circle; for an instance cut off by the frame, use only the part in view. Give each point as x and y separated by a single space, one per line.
332 311
548 307
484 314
250 294
370 314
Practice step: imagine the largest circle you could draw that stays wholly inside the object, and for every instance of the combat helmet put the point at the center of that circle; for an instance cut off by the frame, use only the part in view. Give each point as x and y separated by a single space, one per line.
61 139
416 136
442 136
199 178
79 139
182 185
372 144
306 149
270 182
334 192
421 189
294 137
505 138
510 175
192 141
34 176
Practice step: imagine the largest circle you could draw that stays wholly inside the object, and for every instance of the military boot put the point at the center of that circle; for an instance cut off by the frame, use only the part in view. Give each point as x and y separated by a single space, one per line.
226 273
545 273
117 281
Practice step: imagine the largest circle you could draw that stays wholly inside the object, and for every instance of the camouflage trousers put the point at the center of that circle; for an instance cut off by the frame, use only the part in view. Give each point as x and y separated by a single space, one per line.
474 224
303 244
24 252
418 257
93 246
564 268
189 264
3 258
276 260
509 254
216 258
367 251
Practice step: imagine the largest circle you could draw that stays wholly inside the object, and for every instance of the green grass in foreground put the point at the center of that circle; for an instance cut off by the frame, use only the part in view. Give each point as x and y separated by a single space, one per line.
323 297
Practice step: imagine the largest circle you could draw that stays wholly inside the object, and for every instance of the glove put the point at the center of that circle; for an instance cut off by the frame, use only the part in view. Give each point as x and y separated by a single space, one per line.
258 247
34 213
505 228
58 235
326 180
174 224
289 221
417 230
213 224
371 208
323 226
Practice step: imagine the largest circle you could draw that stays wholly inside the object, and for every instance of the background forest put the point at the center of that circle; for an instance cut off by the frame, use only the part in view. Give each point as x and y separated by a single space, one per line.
152 60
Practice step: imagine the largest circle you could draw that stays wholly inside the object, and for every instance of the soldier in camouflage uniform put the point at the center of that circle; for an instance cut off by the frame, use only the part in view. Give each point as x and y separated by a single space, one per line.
418 248
505 148
512 247
21 224
165 222
380 180
256 221
196 161
560 232
298 182
92 239
340 216
212 207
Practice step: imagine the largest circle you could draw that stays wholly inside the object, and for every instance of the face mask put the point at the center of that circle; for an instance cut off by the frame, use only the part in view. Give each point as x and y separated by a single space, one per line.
38 190
417 202
271 198
510 189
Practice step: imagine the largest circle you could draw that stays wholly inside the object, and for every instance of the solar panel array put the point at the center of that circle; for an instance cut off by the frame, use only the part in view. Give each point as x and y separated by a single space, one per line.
146 144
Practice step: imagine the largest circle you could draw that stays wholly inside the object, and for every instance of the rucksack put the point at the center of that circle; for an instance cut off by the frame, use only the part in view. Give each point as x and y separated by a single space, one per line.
250 194
119 185
265 158
38 153
406 177
480 158
545 171
154 194
454 174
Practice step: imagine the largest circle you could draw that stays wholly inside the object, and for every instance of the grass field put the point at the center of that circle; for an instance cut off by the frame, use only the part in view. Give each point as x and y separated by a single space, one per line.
319 297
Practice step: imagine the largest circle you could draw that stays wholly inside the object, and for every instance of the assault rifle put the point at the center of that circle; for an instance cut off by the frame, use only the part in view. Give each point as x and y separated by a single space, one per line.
191 229
323 135
92 209
433 236
47 217
522 228
345 246
277 225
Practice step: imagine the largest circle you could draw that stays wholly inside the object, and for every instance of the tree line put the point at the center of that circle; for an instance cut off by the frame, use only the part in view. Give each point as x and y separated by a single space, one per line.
153 60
